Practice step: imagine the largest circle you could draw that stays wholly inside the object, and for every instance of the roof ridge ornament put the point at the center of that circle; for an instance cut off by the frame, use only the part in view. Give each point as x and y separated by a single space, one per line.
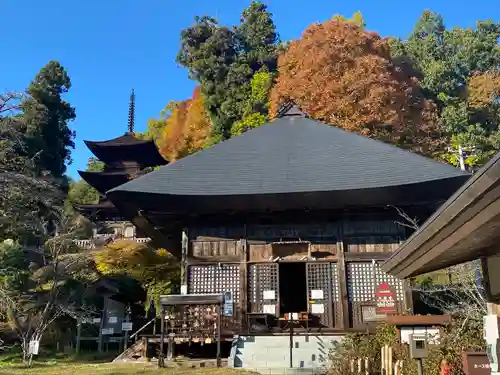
131 113
290 109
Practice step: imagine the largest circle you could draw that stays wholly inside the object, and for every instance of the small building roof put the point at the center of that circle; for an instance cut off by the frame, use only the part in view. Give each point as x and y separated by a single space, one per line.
464 228
292 154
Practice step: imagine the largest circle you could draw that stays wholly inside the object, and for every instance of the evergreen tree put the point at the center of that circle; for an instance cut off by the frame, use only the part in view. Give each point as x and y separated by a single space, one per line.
225 60
45 117
458 69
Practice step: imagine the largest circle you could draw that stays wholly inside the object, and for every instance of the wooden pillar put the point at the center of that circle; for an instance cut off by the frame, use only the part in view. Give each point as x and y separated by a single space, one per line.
161 357
184 259
344 301
243 250
408 296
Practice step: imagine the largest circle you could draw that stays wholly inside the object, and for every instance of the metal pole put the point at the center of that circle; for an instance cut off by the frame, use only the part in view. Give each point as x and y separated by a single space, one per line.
161 359
219 364
420 366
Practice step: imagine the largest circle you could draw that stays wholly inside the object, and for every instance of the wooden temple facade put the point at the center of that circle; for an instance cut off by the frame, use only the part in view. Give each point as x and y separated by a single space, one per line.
327 267
292 217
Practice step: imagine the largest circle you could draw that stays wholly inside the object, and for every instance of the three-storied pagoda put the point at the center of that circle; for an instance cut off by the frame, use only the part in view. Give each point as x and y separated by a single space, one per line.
125 158
292 217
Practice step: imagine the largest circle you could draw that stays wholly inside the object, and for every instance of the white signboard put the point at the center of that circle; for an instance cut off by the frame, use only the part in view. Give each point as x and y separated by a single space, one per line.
269 294
96 320
317 308
33 347
269 309
184 289
490 328
113 319
127 326
107 331
317 294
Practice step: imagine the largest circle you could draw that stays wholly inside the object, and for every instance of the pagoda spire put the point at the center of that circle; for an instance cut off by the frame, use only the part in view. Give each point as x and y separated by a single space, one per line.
131 112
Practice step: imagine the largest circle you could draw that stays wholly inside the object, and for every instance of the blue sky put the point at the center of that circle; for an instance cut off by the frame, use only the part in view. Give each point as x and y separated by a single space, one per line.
110 46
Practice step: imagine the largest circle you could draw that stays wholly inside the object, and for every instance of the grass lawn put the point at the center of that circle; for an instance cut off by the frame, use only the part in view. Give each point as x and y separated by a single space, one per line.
92 364
112 369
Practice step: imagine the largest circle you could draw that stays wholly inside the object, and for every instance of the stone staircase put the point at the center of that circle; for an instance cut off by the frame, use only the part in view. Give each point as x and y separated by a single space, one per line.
134 353
271 354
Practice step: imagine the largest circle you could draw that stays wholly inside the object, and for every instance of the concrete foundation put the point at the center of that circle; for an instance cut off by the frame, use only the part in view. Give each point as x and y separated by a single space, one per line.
271 354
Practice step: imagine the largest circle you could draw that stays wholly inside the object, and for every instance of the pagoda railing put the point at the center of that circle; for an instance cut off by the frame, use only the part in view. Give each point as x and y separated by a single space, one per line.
90 244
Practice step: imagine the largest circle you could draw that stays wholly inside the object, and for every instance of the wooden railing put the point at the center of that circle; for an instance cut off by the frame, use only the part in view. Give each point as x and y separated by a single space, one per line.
90 244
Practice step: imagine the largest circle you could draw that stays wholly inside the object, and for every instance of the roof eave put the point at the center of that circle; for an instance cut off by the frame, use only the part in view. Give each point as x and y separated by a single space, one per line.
474 205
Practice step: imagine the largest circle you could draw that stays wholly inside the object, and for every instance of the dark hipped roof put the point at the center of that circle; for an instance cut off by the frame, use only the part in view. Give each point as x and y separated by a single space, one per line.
104 181
292 154
127 148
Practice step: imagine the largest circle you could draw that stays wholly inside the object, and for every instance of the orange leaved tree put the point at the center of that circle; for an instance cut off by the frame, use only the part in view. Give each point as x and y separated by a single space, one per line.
344 75
186 129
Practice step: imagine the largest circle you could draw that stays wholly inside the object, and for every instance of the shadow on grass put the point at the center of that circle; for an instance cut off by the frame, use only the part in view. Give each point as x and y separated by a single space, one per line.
14 359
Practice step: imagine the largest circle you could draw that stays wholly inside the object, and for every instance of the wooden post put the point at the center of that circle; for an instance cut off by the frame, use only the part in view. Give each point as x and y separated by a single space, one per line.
184 257
78 335
101 324
127 319
219 321
389 360
161 359
408 296
243 245
344 299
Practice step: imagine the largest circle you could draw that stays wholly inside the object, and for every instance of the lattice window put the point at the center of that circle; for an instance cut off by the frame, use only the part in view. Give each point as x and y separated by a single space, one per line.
227 279
362 278
360 282
262 277
214 279
201 279
319 277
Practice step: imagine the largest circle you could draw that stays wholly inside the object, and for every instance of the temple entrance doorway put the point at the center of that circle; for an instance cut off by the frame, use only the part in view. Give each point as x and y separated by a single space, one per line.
292 287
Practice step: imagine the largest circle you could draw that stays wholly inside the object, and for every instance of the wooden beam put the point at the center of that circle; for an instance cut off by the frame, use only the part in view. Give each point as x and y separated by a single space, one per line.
344 300
184 257
243 281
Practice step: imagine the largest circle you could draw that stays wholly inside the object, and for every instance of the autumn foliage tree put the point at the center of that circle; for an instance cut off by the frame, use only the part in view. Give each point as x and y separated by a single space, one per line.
157 270
344 75
185 128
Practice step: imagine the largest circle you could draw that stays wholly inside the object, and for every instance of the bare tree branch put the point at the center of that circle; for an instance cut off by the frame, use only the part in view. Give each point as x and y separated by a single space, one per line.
10 102
408 221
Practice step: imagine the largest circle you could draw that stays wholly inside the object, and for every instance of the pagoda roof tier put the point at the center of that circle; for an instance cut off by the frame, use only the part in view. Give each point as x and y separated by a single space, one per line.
127 148
104 181
102 211
293 162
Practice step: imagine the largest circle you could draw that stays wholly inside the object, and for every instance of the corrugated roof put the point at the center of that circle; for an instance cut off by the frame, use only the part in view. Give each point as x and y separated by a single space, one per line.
289 155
